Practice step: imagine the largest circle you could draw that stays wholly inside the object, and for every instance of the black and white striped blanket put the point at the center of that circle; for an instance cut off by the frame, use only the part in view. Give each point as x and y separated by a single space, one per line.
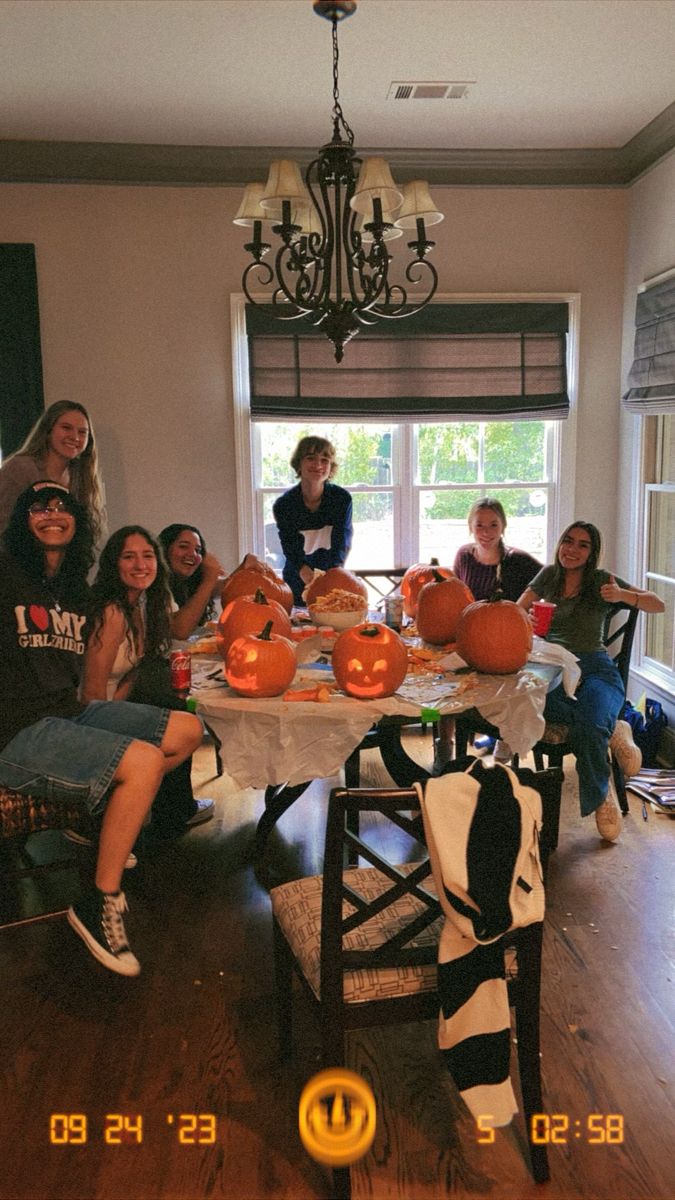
482 830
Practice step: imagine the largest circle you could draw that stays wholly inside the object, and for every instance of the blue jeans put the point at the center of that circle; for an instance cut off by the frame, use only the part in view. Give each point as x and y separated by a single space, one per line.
75 758
590 716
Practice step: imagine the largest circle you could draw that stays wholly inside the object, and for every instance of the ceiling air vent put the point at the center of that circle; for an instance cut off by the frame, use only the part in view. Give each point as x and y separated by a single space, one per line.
455 89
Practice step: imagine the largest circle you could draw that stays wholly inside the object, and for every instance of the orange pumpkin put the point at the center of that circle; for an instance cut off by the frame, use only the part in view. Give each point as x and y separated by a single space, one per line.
494 636
335 577
440 604
247 614
246 580
415 579
369 661
260 664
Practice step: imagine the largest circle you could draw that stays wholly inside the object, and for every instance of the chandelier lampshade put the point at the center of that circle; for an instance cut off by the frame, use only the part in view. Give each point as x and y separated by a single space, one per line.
330 264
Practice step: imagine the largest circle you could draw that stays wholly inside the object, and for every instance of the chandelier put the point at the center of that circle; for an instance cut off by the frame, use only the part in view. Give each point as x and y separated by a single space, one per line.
331 260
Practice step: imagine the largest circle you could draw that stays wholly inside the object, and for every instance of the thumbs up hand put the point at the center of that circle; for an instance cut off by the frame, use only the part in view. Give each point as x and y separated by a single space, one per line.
611 592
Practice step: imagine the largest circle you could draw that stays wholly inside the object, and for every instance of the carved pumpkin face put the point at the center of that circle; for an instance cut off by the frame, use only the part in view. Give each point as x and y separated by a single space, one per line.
260 665
369 661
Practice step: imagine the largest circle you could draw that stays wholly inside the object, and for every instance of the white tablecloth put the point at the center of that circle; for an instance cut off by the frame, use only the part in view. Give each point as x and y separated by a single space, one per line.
273 741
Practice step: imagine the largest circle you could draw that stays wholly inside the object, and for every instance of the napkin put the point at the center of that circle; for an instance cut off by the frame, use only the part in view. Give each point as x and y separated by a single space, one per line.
549 652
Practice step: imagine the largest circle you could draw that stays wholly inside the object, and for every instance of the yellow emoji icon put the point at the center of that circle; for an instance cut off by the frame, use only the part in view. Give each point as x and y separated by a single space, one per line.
337 1117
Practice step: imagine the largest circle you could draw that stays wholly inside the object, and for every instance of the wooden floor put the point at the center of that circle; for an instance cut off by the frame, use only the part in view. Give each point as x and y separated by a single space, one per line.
195 1034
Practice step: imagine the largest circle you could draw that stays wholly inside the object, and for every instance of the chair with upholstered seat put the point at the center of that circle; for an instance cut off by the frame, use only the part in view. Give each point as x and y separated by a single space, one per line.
554 745
22 817
363 940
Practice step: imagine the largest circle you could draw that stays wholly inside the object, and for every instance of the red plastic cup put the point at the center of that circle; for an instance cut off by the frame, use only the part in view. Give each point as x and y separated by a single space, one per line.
542 615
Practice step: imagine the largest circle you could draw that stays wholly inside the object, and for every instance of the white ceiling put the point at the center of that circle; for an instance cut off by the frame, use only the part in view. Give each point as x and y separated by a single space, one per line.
549 73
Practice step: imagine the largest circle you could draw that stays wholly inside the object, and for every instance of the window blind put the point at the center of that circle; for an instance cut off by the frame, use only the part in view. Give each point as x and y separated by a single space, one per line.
450 361
651 380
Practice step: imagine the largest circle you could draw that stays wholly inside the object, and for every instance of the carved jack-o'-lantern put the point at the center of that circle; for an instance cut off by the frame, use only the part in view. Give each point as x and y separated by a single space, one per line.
260 665
369 661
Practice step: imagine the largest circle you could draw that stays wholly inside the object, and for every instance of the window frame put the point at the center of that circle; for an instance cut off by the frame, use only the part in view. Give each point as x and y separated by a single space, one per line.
563 453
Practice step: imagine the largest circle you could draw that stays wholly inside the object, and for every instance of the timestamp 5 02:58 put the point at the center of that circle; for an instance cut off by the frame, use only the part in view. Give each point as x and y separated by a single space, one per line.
558 1129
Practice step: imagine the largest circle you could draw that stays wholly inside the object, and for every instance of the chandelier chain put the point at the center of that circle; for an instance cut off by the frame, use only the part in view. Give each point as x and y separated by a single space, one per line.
338 115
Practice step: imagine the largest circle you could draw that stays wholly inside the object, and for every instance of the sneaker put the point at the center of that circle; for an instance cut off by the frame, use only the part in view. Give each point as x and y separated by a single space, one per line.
626 753
204 812
97 919
484 743
79 839
608 817
502 752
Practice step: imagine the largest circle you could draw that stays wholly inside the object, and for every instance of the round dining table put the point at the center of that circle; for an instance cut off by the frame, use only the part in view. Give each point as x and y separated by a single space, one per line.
280 746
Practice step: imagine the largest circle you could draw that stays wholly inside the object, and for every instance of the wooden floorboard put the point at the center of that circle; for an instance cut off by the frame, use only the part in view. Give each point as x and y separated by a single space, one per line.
195 1033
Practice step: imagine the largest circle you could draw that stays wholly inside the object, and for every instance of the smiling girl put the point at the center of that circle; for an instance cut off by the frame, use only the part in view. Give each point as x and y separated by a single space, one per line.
487 564
584 596
129 623
60 447
195 577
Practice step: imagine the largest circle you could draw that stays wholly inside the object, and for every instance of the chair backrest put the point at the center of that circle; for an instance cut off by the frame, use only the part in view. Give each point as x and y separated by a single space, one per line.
618 637
382 583
395 837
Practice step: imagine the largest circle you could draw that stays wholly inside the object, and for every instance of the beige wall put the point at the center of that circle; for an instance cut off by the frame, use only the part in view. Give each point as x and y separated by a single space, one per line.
134 297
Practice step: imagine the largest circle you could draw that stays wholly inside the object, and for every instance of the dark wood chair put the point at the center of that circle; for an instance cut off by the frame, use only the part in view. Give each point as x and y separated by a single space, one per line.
363 940
23 817
554 745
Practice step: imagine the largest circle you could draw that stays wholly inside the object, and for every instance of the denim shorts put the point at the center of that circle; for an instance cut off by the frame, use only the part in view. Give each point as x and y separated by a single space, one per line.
75 758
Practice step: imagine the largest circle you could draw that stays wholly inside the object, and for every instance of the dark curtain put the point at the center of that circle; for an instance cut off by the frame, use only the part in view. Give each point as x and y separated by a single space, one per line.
498 361
21 394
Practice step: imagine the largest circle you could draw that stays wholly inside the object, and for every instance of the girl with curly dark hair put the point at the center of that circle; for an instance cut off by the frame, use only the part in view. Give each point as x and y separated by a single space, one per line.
195 577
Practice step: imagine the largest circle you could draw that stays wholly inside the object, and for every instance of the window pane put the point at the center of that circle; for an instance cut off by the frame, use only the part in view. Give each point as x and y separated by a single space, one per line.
373 545
662 533
668 451
448 453
659 635
443 520
514 450
363 451
273 553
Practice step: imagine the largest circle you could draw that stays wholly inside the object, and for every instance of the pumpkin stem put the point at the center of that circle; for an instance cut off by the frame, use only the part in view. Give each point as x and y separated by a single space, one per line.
260 597
433 562
264 636
496 595
438 578
370 631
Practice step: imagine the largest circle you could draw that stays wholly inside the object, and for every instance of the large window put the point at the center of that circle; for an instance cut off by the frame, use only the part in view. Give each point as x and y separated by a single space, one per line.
414 478
660 545
413 485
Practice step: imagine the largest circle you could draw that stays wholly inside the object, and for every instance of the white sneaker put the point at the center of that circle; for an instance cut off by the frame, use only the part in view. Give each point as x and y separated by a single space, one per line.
608 817
626 753
502 752
79 839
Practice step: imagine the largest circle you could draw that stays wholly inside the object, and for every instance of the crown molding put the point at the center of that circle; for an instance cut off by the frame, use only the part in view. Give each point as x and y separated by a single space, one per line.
233 166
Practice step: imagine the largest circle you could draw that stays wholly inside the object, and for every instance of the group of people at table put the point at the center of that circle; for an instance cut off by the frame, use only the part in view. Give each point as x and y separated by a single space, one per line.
75 723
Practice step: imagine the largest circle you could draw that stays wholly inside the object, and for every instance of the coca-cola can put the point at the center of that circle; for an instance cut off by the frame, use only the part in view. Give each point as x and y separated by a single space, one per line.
181 672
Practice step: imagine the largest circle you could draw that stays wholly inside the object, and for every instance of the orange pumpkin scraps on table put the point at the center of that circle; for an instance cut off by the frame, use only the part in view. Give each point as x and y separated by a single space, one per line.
369 661
260 664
